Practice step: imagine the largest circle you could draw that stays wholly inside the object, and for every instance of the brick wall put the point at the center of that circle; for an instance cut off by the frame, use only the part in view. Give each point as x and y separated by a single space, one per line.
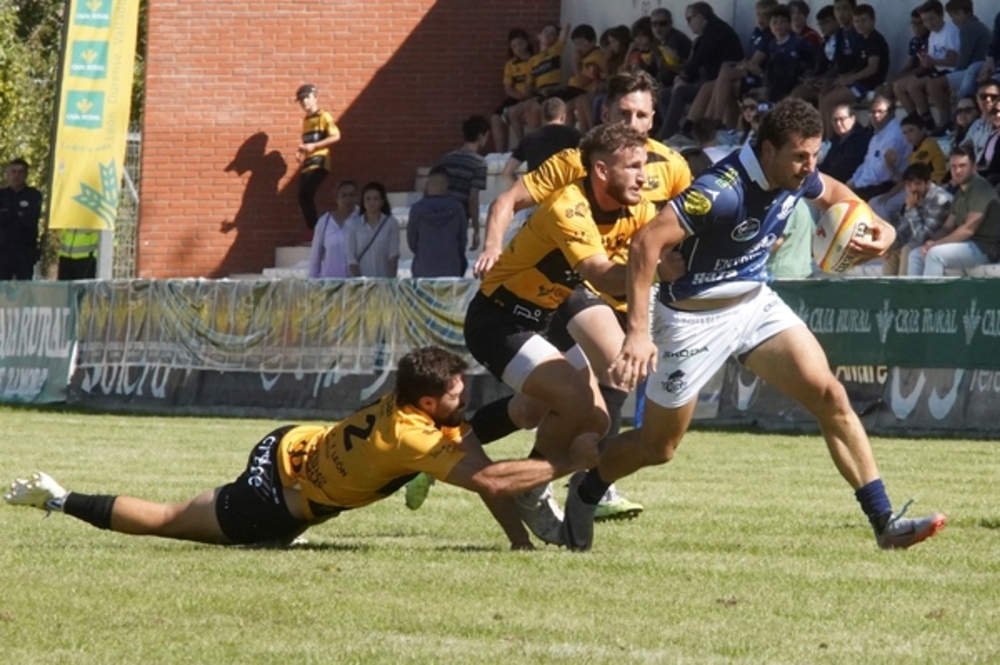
219 182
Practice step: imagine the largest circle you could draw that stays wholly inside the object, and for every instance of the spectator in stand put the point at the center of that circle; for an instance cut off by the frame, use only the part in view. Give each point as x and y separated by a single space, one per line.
988 165
966 113
674 46
716 42
974 43
748 74
553 136
318 133
616 43
467 170
20 210
373 236
848 145
512 114
437 230
545 78
925 208
643 50
589 71
328 256
841 52
917 46
752 107
989 68
800 23
789 56
917 94
926 150
887 152
970 236
873 66
981 128
706 137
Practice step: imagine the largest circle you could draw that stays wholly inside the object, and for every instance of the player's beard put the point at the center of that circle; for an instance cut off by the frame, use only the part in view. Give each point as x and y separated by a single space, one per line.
453 419
620 192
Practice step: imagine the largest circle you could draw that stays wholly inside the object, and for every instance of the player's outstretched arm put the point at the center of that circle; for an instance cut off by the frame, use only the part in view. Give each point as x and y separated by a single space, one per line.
497 222
883 233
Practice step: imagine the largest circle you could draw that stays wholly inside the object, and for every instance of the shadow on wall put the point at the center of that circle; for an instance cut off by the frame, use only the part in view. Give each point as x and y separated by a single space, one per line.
262 195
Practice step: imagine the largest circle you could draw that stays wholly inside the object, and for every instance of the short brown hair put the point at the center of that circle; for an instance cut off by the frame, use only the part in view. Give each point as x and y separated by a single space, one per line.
604 140
790 116
426 372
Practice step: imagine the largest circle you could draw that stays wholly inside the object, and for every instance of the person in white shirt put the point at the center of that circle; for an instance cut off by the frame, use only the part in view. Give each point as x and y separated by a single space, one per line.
887 153
328 255
917 93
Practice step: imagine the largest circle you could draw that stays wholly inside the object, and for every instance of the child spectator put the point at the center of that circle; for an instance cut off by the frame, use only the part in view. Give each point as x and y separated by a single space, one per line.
925 151
789 56
512 114
800 23
373 236
467 170
318 134
589 70
873 66
437 230
840 50
328 256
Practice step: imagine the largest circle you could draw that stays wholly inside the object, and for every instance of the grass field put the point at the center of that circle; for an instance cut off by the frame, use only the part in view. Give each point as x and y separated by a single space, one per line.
751 550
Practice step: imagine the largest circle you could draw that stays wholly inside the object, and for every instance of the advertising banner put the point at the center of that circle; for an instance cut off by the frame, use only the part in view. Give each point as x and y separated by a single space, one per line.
37 333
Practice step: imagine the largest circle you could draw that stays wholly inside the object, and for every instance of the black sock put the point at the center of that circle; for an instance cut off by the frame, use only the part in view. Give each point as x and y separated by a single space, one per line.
592 488
492 421
91 508
615 401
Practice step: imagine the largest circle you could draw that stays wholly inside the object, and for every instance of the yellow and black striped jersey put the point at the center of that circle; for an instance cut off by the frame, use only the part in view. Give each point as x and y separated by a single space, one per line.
315 128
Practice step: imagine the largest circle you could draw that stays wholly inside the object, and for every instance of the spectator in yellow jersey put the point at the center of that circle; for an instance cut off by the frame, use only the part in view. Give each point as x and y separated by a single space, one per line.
318 133
512 114
589 71
545 78
300 476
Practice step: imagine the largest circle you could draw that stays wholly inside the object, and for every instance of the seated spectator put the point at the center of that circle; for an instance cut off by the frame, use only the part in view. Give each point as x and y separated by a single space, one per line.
966 113
841 52
800 23
553 136
981 129
887 152
545 77
512 114
736 78
873 66
373 236
925 151
789 56
848 145
916 46
616 43
974 43
328 255
437 230
925 209
988 165
715 42
674 47
989 69
970 236
467 170
752 107
589 71
917 94
706 138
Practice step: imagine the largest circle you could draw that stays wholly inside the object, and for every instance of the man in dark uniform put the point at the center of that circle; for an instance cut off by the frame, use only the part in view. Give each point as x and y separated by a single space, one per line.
20 210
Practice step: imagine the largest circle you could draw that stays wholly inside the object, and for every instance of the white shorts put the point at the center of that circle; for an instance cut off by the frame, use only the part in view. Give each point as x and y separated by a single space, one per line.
695 345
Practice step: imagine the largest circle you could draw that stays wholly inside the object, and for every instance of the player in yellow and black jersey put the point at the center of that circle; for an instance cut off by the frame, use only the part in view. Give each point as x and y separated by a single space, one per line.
318 133
573 236
297 477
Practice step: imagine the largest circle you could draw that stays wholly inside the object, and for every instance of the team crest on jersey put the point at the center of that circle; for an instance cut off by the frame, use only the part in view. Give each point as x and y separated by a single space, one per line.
786 207
747 230
652 182
696 204
579 210
675 382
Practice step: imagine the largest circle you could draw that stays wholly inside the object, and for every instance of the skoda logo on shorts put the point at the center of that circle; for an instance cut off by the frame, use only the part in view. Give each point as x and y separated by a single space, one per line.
746 231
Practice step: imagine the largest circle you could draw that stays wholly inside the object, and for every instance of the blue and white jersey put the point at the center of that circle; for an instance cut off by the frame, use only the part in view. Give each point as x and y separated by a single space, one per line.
732 221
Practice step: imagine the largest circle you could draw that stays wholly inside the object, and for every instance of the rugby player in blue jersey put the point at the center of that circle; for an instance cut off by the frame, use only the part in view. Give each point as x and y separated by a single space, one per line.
726 223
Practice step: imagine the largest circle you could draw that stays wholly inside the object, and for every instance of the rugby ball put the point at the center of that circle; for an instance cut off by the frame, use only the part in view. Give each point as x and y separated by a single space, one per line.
836 227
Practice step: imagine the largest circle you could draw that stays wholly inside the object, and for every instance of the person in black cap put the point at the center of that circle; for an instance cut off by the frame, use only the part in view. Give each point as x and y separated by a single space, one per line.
318 133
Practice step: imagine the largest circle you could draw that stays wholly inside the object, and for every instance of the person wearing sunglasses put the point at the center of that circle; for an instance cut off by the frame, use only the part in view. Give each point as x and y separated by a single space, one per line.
966 113
981 129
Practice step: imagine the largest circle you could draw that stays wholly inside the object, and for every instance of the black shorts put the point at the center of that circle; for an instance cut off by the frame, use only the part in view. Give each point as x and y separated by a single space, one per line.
581 299
252 509
494 334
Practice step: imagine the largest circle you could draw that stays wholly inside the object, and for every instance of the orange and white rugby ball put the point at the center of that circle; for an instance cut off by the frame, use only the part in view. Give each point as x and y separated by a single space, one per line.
836 227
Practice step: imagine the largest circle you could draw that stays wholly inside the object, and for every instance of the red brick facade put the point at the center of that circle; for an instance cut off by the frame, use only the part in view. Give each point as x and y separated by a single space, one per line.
219 182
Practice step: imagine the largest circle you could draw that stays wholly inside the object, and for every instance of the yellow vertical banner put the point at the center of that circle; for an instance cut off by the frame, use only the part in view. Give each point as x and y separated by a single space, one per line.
93 115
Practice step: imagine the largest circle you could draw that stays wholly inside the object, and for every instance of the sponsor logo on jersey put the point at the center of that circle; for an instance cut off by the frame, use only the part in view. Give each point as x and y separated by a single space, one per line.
685 353
747 230
696 204
579 210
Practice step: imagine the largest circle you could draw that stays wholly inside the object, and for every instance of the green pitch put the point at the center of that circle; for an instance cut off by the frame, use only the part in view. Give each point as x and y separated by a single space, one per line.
751 550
